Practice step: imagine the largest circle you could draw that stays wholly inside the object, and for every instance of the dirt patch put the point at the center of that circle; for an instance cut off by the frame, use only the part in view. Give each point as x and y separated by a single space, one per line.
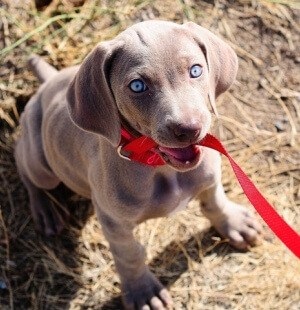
259 123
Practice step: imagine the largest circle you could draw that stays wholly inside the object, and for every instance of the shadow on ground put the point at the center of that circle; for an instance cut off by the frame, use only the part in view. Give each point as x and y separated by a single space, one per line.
179 262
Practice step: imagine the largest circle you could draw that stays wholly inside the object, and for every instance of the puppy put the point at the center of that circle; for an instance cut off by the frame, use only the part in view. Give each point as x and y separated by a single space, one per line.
156 79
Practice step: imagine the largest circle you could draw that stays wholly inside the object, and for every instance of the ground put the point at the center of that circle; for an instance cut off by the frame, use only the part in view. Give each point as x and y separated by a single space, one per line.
259 123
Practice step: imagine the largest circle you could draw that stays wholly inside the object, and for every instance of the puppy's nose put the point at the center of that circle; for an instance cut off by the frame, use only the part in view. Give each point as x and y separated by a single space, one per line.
189 132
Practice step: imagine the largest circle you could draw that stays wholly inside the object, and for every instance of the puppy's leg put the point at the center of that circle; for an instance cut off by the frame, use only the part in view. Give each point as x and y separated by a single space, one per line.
231 220
45 214
140 288
34 170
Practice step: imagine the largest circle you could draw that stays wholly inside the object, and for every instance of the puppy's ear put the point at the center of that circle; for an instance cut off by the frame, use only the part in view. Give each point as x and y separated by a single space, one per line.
221 60
91 103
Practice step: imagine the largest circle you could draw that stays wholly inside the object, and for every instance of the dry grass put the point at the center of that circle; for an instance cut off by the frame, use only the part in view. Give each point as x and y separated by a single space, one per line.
259 124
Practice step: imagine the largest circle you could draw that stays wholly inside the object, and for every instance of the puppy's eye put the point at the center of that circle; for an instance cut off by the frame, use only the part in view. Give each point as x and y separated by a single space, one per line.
137 86
195 71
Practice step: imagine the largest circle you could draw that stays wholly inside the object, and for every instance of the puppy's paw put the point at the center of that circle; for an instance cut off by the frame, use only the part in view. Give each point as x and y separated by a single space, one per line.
239 225
146 293
49 219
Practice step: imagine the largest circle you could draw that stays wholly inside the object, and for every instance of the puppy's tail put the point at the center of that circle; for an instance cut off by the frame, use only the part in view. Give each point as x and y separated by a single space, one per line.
41 68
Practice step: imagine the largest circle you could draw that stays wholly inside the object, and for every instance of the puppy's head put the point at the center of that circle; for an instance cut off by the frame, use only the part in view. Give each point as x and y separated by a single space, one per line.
158 79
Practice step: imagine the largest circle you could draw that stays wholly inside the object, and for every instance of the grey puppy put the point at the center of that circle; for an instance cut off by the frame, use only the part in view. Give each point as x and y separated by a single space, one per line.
156 79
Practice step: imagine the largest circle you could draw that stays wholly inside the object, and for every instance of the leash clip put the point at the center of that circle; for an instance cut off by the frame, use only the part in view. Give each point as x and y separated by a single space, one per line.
119 149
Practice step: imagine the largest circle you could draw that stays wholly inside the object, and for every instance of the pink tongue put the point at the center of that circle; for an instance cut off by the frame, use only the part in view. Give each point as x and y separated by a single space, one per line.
182 154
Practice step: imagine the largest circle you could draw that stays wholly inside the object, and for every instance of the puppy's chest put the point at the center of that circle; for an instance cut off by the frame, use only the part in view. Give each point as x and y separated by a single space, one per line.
172 193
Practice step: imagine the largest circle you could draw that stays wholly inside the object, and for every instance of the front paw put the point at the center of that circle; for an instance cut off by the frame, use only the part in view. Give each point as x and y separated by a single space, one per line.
145 293
238 224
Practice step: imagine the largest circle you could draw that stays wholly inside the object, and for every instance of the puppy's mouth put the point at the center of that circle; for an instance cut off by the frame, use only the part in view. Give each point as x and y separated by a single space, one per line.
181 158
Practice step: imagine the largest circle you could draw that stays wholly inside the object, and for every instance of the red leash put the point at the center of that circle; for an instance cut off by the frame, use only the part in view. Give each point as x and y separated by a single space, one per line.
142 150
280 228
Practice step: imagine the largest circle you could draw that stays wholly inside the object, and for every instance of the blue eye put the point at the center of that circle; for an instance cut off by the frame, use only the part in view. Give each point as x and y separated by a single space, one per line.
195 71
137 86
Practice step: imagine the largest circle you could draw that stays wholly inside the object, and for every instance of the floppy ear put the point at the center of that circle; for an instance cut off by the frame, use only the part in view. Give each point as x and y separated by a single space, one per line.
221 60
91 103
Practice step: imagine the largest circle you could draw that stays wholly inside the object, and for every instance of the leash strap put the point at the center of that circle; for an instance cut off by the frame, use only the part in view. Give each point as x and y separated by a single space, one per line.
142 150
278 225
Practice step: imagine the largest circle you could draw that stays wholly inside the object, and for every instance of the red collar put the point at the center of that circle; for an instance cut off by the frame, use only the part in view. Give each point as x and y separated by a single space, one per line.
142 150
